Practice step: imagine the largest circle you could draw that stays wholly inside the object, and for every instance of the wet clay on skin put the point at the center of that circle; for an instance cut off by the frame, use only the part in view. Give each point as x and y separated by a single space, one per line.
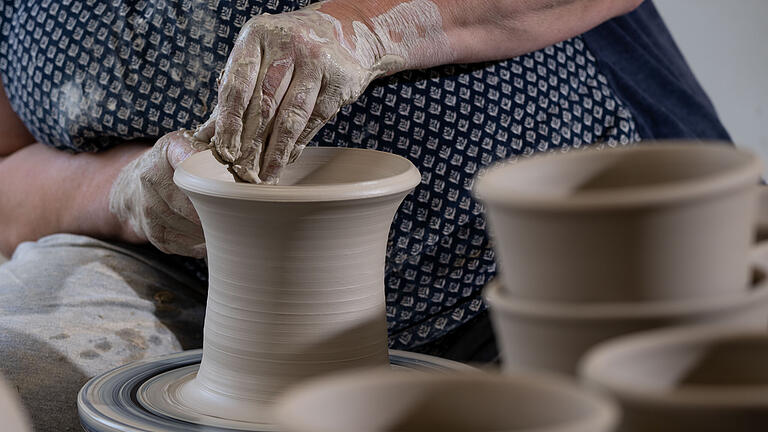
289 74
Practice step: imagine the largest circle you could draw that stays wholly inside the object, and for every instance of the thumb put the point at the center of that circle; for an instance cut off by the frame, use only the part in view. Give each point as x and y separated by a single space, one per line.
181 145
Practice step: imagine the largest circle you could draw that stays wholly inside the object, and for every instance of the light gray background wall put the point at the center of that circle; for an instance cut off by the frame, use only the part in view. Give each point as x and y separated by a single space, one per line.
726 44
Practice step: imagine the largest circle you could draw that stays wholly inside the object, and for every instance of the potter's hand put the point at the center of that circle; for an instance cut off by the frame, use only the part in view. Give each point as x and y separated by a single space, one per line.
288 74
145 199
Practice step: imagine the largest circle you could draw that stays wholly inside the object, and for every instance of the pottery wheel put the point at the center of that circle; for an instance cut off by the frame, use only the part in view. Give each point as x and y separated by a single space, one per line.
127 398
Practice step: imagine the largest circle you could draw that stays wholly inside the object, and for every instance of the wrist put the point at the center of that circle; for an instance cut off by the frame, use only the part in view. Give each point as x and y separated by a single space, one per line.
90 210
399 34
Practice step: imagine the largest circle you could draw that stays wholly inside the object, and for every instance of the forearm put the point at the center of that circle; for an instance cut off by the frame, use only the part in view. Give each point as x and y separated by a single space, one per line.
499 29
468 31
45 191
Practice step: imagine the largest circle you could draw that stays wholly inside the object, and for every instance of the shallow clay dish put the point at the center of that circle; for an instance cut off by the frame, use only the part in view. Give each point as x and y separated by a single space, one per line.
554 335
388 401
653 222
687 379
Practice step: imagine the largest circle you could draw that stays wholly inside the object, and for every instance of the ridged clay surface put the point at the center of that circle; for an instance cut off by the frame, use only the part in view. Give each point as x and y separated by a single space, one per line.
296 274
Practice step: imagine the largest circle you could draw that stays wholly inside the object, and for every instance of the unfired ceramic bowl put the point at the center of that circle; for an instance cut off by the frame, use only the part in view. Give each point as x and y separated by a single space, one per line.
658 221
296 275
687 379
554 335
390 401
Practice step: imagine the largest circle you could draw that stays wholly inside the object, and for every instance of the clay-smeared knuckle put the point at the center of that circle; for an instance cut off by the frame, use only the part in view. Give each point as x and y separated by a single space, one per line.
309 69
227 139
267 106
313 127
233 96
325 108
249 30
251 153
293 119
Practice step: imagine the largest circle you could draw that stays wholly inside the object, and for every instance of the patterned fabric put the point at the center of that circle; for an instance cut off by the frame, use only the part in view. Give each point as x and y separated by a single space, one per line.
86 74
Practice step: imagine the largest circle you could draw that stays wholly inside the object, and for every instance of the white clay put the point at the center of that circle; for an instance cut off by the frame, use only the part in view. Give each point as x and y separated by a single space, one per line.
417 23
296 275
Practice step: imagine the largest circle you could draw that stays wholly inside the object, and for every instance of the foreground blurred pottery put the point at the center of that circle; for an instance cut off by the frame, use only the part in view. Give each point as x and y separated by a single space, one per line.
391 401
296 275
658 221
554 335
691 379
12 413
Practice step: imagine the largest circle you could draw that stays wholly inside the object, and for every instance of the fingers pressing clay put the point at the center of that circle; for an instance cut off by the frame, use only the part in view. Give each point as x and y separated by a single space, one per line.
337 53
145 199
291 120
237 85
269 93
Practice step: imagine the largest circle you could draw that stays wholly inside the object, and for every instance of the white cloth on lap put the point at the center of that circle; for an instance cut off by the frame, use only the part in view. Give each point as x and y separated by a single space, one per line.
72 307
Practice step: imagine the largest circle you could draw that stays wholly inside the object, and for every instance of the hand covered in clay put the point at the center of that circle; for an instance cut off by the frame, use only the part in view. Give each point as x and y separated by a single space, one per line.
288 74
144 198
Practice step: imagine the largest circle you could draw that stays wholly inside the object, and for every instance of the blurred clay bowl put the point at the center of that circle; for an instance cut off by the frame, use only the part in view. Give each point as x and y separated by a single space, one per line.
657 221
395 401
554 335
690 379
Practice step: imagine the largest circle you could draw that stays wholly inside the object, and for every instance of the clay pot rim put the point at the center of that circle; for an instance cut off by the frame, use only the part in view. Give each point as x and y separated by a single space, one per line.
604 412
747 172
707 396
523 308
404 181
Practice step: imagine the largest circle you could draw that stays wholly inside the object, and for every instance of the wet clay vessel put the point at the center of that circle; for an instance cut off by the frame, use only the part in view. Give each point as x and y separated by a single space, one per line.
296 276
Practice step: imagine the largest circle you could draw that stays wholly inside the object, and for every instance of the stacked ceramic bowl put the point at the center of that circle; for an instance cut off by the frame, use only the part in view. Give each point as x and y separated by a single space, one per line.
702 379
596 244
